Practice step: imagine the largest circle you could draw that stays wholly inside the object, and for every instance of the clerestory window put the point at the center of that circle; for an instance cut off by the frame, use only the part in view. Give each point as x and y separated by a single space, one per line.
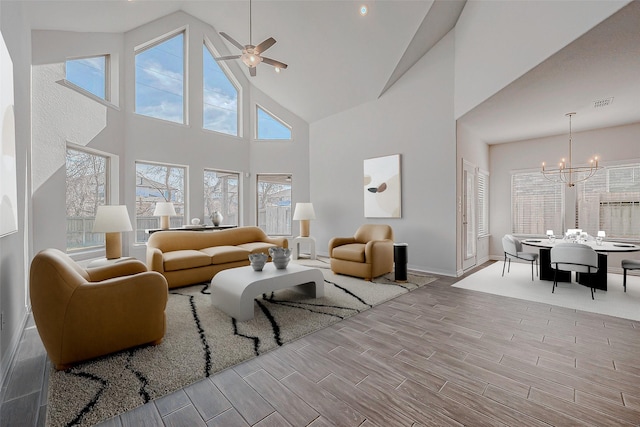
90 74
220 96
160 79
269 126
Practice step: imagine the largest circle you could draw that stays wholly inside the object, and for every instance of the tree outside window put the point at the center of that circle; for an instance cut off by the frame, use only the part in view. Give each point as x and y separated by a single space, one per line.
158 183
274 204
87 188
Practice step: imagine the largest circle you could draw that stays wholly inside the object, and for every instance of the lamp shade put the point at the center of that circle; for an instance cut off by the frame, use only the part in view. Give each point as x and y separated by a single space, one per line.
549 232
164 209
112 219
601 233
304 211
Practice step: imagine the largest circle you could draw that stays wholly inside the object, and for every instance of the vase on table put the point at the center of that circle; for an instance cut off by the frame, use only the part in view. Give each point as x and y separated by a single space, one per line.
216 218
280 257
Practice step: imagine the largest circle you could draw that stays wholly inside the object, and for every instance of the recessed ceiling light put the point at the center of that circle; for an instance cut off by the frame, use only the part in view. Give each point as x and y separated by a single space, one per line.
363 10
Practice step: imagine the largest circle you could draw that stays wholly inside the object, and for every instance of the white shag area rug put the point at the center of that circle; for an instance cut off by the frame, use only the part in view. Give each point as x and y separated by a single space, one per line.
517 284
202 340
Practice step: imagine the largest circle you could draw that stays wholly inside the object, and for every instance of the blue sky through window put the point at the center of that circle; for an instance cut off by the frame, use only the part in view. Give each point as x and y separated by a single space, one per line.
220 106
160 80
271 128
89 74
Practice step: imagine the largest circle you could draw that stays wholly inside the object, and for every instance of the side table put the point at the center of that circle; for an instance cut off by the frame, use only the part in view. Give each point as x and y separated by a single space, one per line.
295 250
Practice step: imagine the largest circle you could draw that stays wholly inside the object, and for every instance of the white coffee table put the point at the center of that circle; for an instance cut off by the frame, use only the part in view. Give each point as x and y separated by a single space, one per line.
234 290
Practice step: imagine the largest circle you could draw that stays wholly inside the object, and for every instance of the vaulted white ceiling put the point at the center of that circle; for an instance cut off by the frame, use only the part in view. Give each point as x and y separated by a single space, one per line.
338 59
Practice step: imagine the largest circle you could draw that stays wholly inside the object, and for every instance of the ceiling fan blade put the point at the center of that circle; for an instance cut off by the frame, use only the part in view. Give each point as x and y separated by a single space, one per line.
252 71
274 62
232 40
265 45
224 58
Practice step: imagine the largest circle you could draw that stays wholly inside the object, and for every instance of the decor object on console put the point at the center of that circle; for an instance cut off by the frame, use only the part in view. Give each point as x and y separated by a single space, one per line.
81 313
258 260
185 257
216 218
112 220
566 173
280 256
368 254
164 210
382 189
304 213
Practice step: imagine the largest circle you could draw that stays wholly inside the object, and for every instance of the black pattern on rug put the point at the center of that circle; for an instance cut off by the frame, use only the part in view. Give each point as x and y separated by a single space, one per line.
201 340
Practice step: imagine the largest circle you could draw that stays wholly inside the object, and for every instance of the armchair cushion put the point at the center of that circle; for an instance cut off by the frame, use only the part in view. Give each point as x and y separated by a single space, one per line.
82 314
350 252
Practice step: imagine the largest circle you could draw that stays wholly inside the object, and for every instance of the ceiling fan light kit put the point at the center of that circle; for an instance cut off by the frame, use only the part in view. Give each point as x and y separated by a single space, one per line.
252 55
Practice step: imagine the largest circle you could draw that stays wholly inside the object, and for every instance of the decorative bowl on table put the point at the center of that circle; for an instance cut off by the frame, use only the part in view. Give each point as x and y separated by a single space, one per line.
280 256
258 261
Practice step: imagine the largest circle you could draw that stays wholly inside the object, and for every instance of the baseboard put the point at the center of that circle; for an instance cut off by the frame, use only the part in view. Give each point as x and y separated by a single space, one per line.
7 359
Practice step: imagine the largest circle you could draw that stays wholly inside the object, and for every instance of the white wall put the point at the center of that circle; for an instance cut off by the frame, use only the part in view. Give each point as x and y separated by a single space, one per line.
613 145
14 252
415 119
499 41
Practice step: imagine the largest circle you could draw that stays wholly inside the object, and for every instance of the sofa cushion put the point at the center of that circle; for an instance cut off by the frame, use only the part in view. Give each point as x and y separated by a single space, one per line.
179 260
224 254
351 252
256 247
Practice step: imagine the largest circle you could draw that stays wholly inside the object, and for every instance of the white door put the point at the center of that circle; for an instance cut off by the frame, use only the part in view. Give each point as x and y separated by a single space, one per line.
469 237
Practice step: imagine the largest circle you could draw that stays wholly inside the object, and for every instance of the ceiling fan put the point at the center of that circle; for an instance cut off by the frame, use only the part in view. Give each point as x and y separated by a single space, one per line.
252 55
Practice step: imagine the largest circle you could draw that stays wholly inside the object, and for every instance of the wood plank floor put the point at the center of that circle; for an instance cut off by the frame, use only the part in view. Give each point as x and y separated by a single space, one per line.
438 356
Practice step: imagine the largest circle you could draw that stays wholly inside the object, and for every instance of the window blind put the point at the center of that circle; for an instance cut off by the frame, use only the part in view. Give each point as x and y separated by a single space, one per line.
483 204
610 201
537 204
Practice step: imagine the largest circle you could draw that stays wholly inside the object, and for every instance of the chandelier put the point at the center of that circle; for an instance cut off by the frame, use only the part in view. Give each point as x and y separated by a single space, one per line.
567 174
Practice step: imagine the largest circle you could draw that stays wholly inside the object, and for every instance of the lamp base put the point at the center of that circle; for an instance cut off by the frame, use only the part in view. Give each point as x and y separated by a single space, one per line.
164 222
304 228
113 245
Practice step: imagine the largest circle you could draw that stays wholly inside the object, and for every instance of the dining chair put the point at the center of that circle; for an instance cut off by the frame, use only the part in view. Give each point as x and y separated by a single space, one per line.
513 249
628 264
574 257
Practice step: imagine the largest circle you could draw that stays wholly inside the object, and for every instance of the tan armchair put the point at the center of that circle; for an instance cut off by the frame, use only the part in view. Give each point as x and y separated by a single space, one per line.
85 313
368 254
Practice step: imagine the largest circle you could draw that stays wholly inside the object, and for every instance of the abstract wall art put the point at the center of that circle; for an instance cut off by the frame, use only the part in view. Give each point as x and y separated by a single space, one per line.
382 189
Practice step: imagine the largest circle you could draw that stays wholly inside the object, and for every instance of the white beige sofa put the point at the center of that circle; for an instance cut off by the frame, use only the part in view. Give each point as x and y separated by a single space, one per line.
191 257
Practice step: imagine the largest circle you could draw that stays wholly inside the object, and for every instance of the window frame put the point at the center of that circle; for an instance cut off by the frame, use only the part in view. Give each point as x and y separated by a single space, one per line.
185 196
107 77
234 82
631 163
274 117
561 198
143 47
286 176
111 192
207 219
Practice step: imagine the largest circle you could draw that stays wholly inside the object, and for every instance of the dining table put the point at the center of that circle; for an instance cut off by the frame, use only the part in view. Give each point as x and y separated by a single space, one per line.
603 249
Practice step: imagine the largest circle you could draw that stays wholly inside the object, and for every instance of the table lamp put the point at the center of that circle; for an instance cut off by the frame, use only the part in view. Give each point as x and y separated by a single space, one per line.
164 210
551 236
303 213
112 220
600 237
